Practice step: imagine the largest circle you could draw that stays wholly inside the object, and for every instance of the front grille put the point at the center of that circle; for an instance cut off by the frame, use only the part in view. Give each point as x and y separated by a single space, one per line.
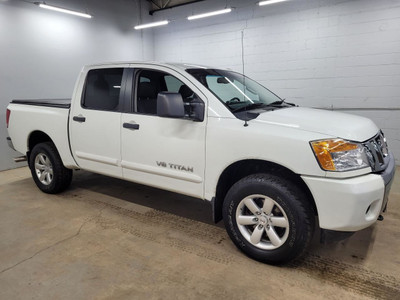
377 152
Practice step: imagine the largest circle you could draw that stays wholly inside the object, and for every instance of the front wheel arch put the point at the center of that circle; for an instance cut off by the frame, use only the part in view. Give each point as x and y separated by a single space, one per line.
266 219
240 169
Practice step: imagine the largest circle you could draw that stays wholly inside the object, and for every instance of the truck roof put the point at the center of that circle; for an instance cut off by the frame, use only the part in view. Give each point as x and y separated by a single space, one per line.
180 66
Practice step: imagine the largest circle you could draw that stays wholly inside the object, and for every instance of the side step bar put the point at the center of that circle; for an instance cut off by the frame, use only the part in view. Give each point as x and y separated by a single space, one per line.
20 159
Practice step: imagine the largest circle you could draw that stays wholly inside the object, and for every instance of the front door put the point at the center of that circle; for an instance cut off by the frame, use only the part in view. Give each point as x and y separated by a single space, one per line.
162 152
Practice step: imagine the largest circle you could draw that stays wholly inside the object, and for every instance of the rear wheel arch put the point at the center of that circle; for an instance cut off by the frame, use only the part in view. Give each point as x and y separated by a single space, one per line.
36 137
48 170
241 169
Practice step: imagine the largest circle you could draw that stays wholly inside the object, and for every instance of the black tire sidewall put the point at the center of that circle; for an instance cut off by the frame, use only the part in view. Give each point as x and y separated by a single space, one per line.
61 175
275 188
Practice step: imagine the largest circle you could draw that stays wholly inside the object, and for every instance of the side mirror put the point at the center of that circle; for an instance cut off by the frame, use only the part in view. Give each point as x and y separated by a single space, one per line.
197 110
170 105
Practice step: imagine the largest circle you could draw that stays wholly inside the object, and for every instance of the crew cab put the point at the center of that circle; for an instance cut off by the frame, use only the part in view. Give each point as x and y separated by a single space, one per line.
270 169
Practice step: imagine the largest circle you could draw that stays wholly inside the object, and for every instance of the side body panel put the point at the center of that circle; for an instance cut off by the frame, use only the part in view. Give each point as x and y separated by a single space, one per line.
95 143
26 119
229 141
95 134
166 153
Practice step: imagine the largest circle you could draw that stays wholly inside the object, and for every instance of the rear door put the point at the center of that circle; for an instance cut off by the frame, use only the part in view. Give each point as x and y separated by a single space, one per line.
168 153
95 124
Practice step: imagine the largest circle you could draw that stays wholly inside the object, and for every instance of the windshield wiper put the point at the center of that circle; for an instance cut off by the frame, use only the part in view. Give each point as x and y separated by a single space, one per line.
281 102
278 103
250 106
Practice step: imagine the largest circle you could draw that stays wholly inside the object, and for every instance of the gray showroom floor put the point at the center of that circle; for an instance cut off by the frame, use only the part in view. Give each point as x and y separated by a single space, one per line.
109 239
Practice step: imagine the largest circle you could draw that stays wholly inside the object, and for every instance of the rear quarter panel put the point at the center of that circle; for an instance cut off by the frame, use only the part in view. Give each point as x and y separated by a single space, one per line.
25 119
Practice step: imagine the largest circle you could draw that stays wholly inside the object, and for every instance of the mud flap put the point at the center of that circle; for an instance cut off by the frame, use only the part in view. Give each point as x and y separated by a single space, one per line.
332 236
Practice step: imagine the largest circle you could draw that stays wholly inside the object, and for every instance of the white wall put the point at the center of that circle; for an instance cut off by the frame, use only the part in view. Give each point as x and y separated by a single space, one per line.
319 53
42 52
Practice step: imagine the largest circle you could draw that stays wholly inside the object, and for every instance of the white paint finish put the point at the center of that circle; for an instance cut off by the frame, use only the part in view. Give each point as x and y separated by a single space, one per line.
342 203
52 121
282 137
315 53
229 141
97 158
95 143
162 171
42 52
189 157
335 124
165 140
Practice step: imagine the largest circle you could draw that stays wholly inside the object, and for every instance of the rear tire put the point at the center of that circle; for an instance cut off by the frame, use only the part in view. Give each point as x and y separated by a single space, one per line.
268 219
48 170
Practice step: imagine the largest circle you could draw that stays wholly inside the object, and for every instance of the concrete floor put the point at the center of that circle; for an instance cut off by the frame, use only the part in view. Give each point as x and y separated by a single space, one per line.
109 239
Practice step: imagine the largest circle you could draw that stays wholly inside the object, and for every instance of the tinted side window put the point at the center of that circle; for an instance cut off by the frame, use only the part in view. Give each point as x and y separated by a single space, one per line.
173 84
151 82
103 87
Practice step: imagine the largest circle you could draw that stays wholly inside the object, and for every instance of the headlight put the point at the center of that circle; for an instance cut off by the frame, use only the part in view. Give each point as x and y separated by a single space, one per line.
339 155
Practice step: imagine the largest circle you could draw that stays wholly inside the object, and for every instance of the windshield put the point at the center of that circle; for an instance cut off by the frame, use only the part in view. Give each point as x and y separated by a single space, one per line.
235 90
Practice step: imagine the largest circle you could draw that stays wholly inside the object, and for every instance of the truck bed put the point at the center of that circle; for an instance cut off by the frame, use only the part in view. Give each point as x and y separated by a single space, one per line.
49 117
60 103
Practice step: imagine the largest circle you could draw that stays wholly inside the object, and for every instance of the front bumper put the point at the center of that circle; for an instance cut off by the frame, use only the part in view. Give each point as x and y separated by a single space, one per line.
387 176
354 203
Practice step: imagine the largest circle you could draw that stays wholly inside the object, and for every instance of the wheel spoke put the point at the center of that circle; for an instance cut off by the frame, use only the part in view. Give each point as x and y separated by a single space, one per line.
39 166
48 178
273 237
251 205
47 161
246 220
279 222
42 159
42 176
262 221
268 205
256 235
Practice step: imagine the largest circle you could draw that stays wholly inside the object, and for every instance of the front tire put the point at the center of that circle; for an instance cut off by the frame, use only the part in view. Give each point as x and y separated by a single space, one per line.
47 169
268 219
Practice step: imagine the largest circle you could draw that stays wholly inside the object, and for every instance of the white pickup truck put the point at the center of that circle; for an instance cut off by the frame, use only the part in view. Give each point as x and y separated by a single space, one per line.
269 168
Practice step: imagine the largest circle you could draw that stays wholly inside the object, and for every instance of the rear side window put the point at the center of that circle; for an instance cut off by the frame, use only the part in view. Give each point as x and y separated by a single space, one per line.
103 87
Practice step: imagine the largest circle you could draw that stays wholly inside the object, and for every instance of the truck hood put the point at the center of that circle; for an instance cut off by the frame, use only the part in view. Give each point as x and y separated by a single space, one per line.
335 124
